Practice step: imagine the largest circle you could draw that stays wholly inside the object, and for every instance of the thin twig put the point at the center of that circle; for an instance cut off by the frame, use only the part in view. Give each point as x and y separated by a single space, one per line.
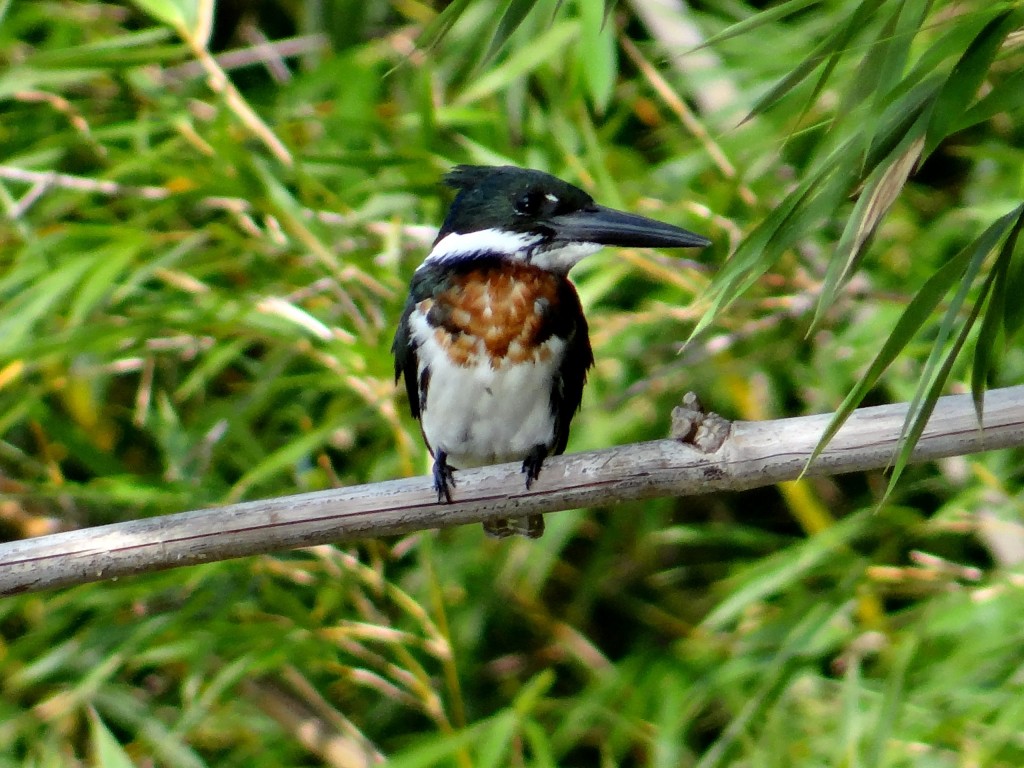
755 454
248 57
672 25
272 61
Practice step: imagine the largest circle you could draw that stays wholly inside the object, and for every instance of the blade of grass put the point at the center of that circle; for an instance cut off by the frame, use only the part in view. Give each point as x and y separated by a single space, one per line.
107 751
892 704
774 573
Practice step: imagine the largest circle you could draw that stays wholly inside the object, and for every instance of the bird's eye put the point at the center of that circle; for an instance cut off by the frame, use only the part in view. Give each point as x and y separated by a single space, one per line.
529 204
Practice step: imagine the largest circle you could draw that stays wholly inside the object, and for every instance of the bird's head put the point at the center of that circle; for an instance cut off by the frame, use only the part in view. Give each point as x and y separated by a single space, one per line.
531 216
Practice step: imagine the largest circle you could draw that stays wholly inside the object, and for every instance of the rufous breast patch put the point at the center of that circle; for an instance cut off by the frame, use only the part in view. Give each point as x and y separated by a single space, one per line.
497 312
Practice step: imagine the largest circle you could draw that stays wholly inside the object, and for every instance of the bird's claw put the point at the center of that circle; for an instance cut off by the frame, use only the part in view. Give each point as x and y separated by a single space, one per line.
444 478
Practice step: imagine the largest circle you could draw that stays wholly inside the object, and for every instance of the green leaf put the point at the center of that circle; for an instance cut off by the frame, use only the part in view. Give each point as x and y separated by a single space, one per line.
1013 316
441 25
1006 96
839 43
961 271
180 14
597 54
515 12
101 280
927 395
781 570
913 317
815 199
987 346
932 378
892 704
797 75
549 45
887 59
760 19
192 19
107 751
884 185
961 87
282 460
42 299
830 51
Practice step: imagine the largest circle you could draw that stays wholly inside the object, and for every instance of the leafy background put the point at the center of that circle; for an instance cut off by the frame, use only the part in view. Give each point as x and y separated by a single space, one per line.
210 215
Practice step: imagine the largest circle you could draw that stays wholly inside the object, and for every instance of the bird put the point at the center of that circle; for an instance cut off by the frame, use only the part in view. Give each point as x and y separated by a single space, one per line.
492 343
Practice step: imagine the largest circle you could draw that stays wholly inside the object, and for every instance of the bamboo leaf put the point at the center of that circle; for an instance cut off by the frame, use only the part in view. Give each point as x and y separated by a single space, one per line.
987 347
922 407
758 20
987 352
839 43
888 59
815 199
830 51
1007 96
797 75
979 251
913 317
515 13
960 270
179 14
884 186
961 87
1013 316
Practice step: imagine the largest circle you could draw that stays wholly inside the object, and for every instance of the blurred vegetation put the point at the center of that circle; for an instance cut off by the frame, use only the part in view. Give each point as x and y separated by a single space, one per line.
209 222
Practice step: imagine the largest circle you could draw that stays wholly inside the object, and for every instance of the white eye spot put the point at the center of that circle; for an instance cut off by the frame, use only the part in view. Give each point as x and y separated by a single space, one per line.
551 197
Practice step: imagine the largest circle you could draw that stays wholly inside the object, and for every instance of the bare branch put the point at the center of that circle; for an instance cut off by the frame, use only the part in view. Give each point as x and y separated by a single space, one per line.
755 454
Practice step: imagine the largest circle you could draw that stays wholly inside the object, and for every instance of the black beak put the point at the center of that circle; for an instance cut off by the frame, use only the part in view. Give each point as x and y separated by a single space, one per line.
608 226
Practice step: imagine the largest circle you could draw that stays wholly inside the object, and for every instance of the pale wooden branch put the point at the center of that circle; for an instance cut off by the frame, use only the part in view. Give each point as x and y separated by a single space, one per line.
755 454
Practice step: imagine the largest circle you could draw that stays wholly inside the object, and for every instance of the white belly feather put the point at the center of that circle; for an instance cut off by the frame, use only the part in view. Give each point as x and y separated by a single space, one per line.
482 415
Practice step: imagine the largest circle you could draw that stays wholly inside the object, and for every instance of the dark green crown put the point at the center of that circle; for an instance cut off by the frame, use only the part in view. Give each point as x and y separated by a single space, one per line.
508 198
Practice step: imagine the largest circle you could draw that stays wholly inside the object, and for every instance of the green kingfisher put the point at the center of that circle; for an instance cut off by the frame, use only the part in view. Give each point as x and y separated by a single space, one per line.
493 343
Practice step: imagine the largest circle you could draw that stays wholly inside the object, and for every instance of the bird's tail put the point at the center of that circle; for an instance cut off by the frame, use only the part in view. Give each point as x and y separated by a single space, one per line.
531 526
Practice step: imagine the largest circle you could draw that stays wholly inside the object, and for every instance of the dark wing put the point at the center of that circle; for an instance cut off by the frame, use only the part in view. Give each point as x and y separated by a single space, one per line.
572 374
427 282
406 361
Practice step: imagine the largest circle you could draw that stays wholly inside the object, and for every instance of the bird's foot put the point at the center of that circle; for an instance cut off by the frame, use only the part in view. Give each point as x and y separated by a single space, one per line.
444 477
692 424
533 462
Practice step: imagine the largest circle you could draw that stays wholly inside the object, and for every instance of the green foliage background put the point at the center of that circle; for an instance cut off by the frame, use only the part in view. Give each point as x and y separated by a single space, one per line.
199 279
